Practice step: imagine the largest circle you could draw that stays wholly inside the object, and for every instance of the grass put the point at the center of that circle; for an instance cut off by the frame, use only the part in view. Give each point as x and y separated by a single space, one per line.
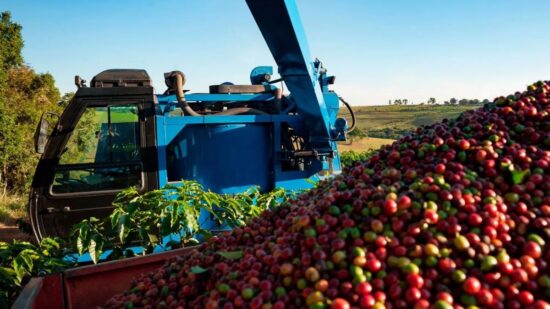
119 114
12 208
391 121
384 124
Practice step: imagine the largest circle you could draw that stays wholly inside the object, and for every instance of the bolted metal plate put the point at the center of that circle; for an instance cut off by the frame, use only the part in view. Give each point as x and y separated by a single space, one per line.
239 89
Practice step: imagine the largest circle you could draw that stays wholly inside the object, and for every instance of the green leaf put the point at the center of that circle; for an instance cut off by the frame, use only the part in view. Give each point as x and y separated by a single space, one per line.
205 233
94 220
21 245
311 181
121 228
153 239
198 270
57 263
28 256
143 234
7 274
517 176
207 198
95 248
231 255
50 243
21 268
80 245
115 217
84 229
92 250
83 237
165 223
174 217
191 242
190 219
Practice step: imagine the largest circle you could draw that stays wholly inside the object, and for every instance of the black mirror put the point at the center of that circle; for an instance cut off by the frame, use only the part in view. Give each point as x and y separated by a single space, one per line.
42 133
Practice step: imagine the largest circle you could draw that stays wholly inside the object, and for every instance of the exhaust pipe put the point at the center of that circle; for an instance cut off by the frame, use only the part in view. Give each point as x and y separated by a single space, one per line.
180 81
175 80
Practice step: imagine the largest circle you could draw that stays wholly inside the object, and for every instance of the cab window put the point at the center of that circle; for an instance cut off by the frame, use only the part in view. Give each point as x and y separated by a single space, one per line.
102 152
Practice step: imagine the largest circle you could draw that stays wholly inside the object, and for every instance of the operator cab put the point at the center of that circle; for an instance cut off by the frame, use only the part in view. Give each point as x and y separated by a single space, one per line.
103 142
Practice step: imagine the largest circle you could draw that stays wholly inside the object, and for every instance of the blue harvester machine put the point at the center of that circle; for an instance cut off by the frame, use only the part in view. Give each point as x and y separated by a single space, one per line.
117 132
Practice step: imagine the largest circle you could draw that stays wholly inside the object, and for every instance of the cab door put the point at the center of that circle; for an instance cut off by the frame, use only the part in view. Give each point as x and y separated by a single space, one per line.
101 146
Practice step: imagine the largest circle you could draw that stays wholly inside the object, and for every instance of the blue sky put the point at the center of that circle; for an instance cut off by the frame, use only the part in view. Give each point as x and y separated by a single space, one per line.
379 50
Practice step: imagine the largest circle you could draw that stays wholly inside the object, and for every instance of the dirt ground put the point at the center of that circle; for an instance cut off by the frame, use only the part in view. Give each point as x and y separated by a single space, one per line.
10 232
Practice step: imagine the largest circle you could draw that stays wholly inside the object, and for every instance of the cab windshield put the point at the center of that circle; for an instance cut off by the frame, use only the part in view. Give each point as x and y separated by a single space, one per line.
102 152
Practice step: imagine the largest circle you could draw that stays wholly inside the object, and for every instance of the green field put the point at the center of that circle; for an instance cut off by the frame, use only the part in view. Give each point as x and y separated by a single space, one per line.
392 121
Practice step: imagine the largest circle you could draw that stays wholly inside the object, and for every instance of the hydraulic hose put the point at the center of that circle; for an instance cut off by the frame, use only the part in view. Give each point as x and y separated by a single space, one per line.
353 121
241 111
180 81
278 93
252 111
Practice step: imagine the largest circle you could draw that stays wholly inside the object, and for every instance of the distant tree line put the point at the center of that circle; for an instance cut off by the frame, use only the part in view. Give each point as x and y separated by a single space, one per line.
390 133
433 101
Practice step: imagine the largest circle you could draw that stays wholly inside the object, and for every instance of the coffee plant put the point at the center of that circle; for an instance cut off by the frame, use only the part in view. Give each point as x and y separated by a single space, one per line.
145 220
349 158
138 220
19 261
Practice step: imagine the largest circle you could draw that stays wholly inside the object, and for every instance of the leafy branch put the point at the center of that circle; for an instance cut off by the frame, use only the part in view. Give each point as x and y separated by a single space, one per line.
349 158
147 220
20 260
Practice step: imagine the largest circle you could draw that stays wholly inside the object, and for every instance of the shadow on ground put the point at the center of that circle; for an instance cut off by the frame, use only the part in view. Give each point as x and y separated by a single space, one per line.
9 232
